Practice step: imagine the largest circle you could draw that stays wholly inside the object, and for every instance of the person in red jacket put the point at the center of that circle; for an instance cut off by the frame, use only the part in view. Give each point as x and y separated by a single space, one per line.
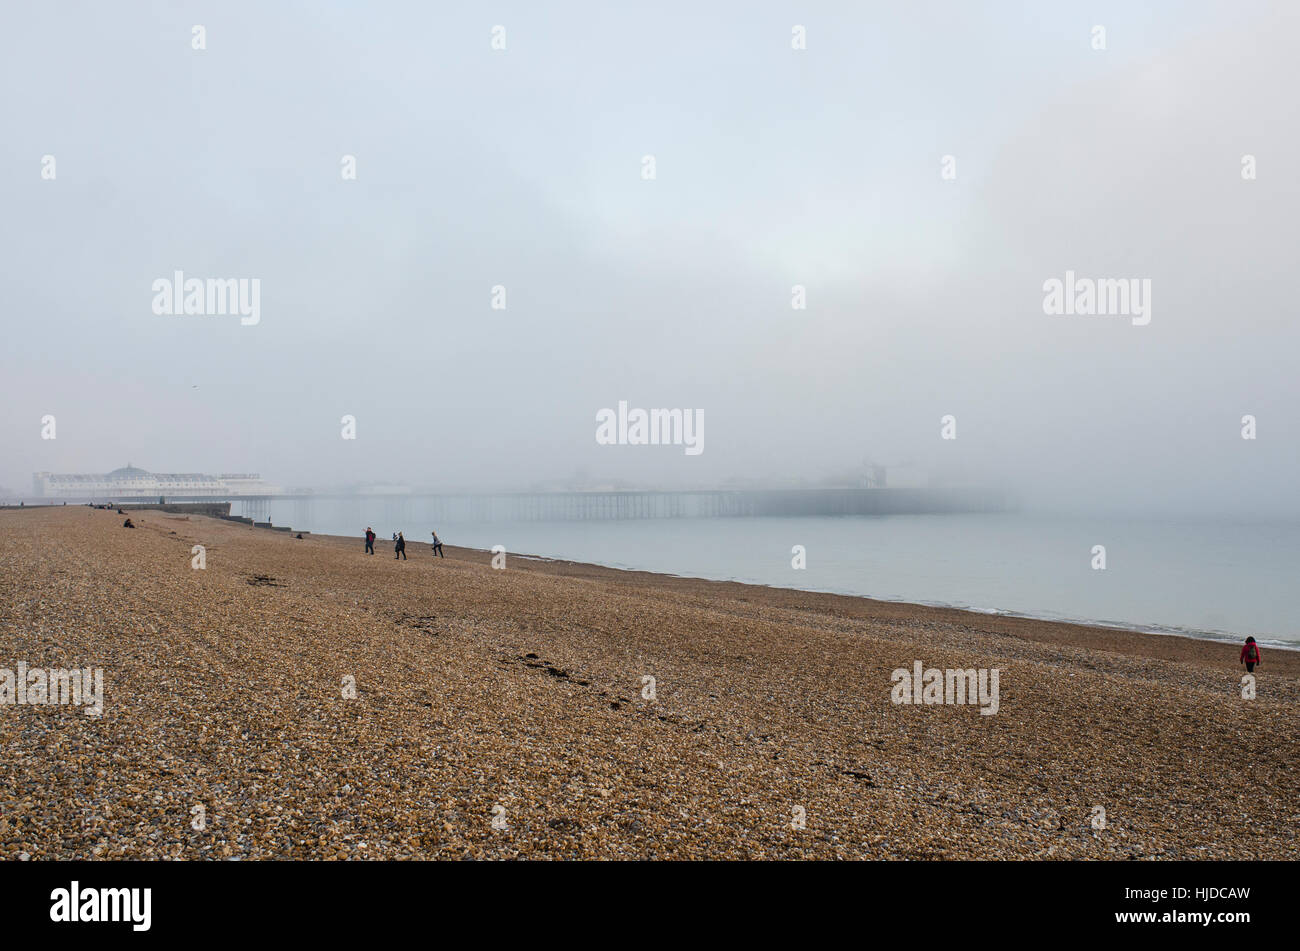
1250 654
370 541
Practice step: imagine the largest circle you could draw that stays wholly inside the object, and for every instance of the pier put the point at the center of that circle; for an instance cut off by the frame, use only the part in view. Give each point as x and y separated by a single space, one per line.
632 504
606 505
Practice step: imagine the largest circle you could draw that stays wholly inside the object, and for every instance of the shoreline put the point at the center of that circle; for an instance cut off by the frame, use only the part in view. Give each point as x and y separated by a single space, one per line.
596 570
1217 637
1139 623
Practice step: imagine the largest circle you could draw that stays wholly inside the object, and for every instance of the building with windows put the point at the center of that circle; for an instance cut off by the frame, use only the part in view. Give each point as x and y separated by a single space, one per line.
132 483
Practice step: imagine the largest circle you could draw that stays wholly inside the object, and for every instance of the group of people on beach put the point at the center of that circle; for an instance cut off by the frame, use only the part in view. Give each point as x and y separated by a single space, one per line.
1250 655
399 544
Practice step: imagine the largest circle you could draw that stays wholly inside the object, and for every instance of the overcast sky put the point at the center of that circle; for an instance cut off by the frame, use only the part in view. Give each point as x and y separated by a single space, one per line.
523 167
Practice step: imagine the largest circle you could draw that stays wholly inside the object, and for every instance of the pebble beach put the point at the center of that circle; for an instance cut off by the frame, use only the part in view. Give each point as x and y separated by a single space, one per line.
298 699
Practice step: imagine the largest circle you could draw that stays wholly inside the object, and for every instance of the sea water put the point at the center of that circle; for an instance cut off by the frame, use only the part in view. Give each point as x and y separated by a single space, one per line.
1215 579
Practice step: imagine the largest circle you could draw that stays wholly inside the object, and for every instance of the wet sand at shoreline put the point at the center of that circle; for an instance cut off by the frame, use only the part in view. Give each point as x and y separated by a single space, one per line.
522 689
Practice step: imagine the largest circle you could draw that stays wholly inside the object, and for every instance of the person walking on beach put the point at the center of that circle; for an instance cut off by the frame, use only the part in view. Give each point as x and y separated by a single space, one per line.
437 545
370 540
399 550
1250 654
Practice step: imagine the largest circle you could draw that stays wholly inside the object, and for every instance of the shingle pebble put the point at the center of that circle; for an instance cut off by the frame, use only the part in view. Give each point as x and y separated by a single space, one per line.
359 707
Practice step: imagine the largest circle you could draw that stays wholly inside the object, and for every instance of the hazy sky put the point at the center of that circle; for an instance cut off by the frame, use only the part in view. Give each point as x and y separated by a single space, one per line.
774 167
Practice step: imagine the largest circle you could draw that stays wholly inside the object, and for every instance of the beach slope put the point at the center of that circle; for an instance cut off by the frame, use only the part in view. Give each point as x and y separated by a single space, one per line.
504 713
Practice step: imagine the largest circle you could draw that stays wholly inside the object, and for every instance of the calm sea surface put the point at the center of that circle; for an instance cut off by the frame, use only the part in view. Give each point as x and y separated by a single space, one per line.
1207 579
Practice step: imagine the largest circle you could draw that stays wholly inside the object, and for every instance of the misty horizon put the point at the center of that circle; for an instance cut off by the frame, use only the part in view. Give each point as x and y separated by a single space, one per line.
916 177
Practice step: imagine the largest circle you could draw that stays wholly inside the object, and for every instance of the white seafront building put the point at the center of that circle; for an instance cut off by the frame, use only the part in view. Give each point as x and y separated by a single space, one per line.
132 483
